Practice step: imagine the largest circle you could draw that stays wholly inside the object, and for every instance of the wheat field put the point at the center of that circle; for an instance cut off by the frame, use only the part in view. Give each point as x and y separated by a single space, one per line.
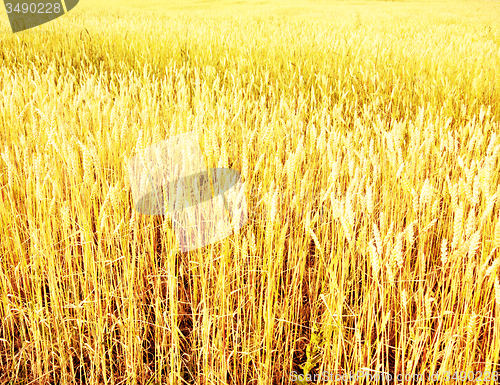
368 136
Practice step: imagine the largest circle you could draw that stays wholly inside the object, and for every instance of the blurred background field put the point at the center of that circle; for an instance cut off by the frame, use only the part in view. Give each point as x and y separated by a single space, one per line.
367 135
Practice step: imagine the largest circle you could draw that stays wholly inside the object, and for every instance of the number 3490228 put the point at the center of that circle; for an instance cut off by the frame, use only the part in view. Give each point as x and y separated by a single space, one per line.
33 8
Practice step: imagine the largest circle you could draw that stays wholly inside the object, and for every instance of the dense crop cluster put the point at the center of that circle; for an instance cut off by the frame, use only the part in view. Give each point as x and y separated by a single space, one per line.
368 143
